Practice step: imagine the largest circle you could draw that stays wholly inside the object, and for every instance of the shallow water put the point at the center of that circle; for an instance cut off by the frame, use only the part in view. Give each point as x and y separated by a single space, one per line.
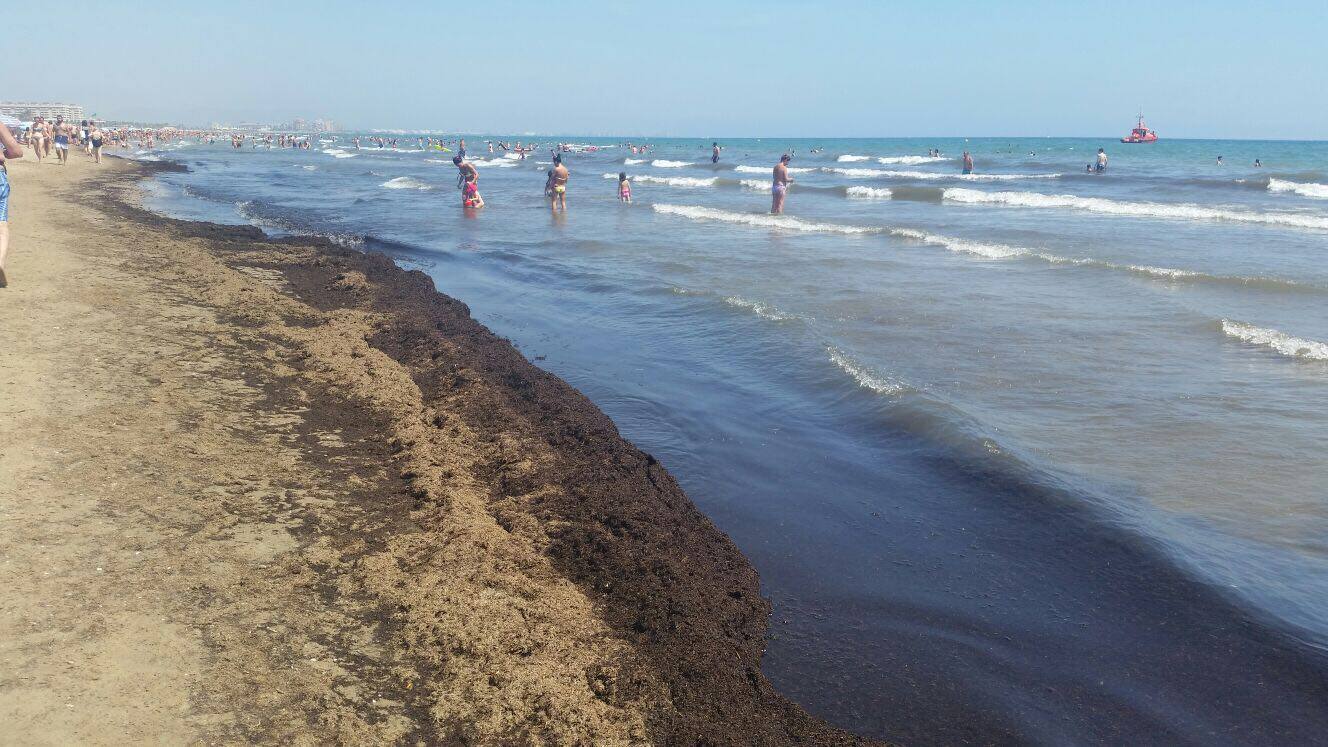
1037 451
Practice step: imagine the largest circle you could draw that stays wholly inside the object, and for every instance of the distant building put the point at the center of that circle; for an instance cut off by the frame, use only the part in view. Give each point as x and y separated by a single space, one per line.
29 110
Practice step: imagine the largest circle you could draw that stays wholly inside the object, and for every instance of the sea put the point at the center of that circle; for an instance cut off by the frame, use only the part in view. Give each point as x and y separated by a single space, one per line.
1033 455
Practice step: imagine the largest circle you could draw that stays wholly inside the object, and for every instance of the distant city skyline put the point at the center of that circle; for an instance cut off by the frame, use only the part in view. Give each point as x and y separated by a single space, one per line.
690 69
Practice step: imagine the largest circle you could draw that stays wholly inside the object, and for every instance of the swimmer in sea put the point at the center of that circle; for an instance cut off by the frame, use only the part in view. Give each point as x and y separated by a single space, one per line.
779 189
968 163
714 152
624 188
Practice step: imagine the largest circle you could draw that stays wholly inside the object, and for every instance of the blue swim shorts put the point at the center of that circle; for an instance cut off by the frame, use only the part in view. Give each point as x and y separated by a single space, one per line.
4 196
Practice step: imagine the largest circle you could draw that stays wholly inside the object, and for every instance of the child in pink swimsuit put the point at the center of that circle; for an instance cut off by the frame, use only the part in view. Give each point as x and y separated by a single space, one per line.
624 188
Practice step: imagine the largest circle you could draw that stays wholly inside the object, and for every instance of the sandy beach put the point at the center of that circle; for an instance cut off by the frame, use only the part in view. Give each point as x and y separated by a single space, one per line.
285 492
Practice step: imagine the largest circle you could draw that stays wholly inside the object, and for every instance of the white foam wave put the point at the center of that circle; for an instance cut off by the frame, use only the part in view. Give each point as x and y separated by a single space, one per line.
406 182
1134 209
933 176
755 185
634 161
1304 189
745 169
1294 347
847 158
977 248
494 162
672 181
763 310
910 160
1170 273
761 220
858 173
870 193
866 378
309 168
665 164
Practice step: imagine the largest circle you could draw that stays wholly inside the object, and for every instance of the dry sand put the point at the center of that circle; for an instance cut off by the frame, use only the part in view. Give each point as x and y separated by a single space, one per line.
258 491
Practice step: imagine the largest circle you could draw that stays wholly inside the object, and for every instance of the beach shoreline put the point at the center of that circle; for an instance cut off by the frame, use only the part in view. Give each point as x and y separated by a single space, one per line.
358 514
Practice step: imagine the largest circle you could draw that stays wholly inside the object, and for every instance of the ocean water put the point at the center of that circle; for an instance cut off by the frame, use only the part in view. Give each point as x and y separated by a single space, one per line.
1034 453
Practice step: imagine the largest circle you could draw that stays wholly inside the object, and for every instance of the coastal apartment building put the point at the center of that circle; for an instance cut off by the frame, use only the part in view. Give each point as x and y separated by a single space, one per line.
29 110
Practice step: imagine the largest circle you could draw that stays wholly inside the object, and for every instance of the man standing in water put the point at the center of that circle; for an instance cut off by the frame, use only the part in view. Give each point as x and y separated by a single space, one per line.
465 173
714 152
779 189
9 148
560 175
968 163
1101 160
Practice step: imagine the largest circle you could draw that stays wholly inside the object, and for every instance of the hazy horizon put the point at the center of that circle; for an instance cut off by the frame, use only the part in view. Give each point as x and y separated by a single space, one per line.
1216 71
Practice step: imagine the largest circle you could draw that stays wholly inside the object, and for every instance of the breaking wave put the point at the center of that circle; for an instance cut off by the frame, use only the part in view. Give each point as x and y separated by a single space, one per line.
1136 209
1280 342
661 163
852 159
910 160
866 378
672 181
761 309
760 220
869 193
406 182
1317 191
744 169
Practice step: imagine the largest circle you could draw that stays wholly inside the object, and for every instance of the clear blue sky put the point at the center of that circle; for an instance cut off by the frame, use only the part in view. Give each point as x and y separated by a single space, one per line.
707 69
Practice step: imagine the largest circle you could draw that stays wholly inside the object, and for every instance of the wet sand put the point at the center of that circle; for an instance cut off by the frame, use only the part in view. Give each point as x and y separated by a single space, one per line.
282 491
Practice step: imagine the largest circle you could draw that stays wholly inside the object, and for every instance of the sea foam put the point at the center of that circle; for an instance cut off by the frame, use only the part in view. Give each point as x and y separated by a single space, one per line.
761 309
1134 209
672 181
760 220
910 160
852 159
661 163
864 376
870 193
1304 189
406 182
1292 347
745 169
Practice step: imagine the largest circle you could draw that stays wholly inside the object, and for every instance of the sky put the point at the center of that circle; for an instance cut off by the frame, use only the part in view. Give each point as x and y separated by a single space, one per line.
682 68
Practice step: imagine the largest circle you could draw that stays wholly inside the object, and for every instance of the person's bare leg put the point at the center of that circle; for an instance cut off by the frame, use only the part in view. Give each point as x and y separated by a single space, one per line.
562 199
4 250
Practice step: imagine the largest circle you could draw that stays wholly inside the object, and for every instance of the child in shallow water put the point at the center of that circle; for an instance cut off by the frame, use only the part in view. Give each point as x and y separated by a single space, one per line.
471 195
624 188
548 184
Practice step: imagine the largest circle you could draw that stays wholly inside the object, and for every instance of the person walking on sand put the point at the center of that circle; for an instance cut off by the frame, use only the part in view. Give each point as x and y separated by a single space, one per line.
36 134
96 137
9 148
560 176
968 163
779 189
62 134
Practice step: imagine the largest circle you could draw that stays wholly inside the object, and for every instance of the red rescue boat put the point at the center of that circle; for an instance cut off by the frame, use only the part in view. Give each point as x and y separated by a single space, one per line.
1141 133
